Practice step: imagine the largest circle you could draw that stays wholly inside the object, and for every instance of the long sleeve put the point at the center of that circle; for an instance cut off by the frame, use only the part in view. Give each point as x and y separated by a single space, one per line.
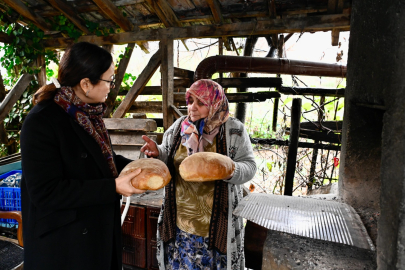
57 173
241 151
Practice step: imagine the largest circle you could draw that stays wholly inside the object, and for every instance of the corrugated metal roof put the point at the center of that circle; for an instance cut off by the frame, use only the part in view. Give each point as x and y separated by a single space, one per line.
319 219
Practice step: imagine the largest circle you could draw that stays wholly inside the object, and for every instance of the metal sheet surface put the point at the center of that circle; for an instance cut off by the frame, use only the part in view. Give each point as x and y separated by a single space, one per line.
318 219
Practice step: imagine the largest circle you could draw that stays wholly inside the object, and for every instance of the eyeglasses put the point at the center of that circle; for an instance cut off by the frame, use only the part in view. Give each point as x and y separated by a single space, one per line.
112 82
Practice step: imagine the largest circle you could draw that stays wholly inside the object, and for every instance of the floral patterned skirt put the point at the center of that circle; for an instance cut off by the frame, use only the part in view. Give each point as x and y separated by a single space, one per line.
190 252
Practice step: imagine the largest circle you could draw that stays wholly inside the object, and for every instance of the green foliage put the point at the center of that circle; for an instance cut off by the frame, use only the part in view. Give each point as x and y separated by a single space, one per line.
127 82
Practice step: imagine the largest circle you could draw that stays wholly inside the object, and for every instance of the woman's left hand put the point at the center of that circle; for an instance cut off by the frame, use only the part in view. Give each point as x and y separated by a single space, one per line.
123 184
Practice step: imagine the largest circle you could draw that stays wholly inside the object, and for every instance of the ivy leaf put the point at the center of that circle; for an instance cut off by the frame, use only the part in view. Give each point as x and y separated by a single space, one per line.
269 166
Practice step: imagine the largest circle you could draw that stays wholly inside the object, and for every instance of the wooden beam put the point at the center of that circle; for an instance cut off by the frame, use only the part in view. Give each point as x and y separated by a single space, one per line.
130 124
183 73
216 11
114 14
164 13
227 44
14 95
22 9
139 85
176 112
122 67
69 13
167 71
265 27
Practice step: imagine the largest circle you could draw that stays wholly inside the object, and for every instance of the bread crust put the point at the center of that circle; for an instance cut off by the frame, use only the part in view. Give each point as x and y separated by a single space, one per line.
154 174
206 166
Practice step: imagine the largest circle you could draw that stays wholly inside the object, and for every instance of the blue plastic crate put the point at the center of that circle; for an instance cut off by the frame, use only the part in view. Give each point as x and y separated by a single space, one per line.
10 200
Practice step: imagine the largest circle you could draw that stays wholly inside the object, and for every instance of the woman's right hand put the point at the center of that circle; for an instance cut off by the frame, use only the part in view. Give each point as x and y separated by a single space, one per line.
150 148
123 184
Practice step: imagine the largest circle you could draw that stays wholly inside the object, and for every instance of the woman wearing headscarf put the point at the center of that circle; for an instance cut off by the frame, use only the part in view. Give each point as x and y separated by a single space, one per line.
196 227
70 187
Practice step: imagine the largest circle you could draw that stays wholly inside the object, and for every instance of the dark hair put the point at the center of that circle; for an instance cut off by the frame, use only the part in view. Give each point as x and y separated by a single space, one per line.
81 60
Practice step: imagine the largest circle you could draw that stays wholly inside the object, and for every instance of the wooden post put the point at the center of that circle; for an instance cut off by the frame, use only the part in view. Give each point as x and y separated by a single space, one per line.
293 146
167 71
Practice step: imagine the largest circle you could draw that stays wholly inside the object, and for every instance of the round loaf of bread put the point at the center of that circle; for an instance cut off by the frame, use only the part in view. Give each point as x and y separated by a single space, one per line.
154 174
206 166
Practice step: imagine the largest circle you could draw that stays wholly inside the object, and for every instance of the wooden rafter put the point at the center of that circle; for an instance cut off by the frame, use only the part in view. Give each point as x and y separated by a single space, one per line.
164 13
262 27
114 14
70 13
216 11
26 12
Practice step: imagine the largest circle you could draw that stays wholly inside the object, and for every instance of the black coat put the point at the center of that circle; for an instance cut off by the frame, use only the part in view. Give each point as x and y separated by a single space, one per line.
71 212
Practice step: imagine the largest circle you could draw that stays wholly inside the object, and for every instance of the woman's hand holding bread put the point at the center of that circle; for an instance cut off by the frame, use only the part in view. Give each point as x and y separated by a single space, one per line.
206 166
154 174
123 184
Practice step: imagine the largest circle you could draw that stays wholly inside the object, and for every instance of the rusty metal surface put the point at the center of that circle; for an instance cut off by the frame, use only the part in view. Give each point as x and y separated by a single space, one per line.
318 219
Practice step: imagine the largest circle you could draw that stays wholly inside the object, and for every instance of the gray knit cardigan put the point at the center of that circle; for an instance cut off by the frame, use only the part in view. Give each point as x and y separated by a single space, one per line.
241 152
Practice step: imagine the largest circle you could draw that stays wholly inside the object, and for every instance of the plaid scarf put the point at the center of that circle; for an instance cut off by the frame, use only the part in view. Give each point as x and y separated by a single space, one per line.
90 118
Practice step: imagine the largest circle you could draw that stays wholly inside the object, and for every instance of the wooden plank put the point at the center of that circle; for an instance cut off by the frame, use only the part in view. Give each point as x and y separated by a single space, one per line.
14 95
114 14
164 13
240 29
130 124
293 146
127 138
139 85
332 5
216 11
22 9
167 73
70 13
128 151
146 107
122 67
183 73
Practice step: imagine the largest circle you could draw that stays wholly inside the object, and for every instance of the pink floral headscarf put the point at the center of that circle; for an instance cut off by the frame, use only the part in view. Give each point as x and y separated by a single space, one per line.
212 95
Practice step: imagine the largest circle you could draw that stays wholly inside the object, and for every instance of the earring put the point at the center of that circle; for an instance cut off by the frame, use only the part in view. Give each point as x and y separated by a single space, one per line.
87 93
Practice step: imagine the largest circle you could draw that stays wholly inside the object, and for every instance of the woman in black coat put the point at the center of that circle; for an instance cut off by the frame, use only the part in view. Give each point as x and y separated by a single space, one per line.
70 185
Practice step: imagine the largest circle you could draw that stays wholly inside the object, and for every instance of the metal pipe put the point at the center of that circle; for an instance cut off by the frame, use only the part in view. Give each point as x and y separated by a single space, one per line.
225 63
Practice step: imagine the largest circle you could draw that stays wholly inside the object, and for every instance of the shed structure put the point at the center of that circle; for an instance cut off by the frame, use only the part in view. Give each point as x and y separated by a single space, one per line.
373 147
